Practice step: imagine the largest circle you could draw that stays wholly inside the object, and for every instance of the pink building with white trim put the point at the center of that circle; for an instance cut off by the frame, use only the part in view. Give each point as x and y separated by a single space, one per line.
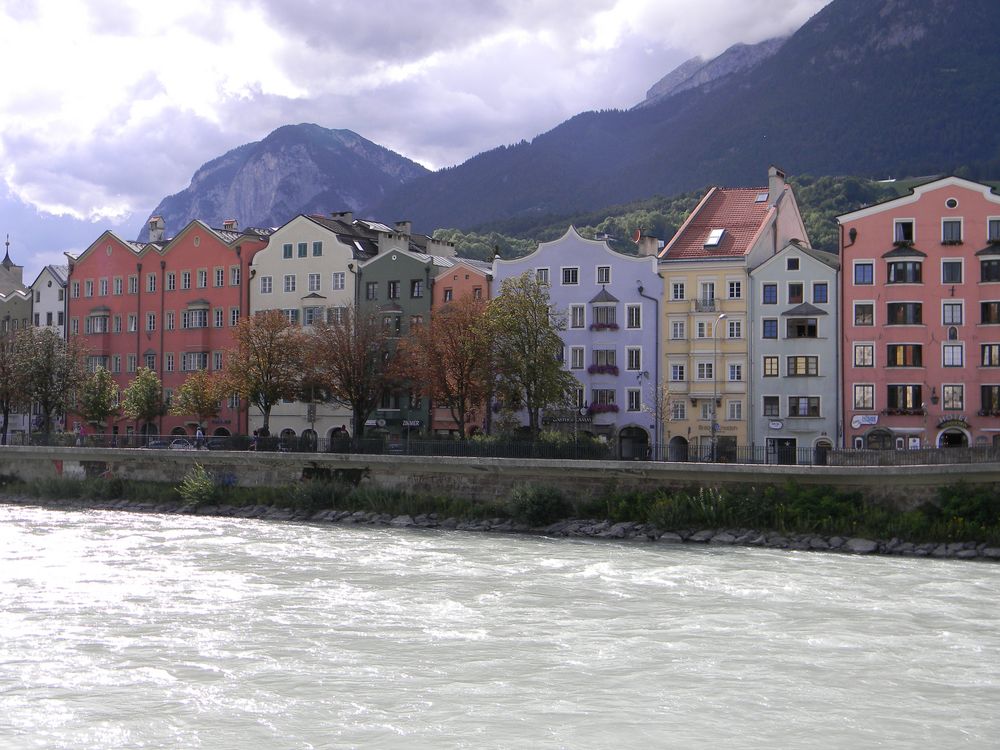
920 306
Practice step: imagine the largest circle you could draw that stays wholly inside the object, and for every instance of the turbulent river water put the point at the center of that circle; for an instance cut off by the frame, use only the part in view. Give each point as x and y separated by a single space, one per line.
163 631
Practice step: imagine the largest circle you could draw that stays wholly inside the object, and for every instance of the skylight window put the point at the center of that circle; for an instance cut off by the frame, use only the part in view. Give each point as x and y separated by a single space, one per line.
761 197
714 238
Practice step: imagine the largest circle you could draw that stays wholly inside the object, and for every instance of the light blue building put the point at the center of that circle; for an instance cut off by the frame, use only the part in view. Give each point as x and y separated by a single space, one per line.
610 302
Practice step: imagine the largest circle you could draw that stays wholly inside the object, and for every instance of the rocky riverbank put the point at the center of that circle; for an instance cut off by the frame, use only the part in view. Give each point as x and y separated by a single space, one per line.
592 529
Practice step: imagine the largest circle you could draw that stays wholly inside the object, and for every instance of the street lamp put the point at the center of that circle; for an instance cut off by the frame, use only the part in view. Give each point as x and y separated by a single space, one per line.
715 385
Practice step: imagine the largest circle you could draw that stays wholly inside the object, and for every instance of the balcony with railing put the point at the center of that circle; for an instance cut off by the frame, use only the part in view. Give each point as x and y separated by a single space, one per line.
707 304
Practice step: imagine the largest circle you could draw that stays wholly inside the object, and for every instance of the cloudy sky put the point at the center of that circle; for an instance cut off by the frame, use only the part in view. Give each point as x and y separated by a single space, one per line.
107 106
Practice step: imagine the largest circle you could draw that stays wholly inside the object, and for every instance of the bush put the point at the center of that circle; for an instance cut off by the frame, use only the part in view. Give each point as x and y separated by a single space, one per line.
197 487
539 506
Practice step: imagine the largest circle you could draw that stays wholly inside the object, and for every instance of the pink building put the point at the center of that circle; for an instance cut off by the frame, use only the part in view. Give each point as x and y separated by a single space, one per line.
921 319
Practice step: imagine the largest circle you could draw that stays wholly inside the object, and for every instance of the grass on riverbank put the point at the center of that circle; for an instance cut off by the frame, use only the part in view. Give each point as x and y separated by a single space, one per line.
961 514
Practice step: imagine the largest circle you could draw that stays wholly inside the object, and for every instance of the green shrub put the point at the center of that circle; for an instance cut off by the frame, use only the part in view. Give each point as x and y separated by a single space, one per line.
539 506
197 487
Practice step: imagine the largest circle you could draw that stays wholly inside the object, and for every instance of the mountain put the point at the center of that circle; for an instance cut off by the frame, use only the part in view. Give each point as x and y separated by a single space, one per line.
296 169
696 73
865 87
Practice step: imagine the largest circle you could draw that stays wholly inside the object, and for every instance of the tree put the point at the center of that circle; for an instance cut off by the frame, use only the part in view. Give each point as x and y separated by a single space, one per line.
351 358
96 400
201 394
49 368
143 397
451 358
527 348
268 362
11 393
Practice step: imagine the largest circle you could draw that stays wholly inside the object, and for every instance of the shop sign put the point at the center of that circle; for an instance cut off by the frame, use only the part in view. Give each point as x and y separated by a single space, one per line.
863 420
775 424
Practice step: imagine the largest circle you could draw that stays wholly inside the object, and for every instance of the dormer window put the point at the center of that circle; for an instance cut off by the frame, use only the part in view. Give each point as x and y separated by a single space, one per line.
993 231
903 232
714 238
951 232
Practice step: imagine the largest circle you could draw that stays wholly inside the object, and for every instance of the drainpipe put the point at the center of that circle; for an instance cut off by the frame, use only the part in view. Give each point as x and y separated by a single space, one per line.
163 287
656 370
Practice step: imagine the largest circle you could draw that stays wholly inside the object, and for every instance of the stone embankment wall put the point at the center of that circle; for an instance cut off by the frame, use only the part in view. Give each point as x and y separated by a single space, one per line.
488 479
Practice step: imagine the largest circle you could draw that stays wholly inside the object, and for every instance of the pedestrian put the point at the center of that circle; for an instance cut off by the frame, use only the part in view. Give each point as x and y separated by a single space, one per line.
199 438
79 436
253 443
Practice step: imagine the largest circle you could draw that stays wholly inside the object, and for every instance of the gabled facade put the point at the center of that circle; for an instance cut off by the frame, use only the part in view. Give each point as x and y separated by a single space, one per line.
48 304
169 305
610 302
921 318
705 323
15 315
794 405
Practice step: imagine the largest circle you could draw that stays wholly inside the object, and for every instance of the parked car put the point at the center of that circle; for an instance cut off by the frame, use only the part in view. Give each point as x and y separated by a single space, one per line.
181 444
218 444
156 444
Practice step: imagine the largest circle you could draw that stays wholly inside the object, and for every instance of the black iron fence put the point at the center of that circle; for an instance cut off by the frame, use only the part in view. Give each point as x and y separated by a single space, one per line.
498 448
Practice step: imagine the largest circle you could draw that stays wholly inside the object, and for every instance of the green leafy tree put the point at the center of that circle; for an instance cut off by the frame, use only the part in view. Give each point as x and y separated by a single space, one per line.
268 363
143 398
200 395
527 348
96 399
49 368
11 392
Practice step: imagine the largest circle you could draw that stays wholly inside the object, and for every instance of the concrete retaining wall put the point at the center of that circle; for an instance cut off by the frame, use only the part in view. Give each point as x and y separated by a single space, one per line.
481 478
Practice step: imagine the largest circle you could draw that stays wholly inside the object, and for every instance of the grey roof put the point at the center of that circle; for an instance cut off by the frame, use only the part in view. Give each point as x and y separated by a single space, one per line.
805 309
603 296
904 251
992 249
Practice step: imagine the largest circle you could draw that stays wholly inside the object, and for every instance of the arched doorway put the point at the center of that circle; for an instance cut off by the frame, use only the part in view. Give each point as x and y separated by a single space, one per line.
308 440
287 439
178 431
221 432
953 438
821 450
677 449
633 444
879 440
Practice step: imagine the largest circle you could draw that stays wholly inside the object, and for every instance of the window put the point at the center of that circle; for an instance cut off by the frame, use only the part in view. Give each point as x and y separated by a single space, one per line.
735 329
801 366
602 396
990 395
74 290
133 323
286 250
902 231
171 282
864 274
303 248
604 274
605 358
74 325
990 312
633 356
803 406
951 272
103 289
677 329
989 270
168 320
477 292
864 396
990 355
735 290
770 330
96 324
570 276
736 372
234 316
953 355
605 316
821 293
191 361
542 275
904 313
953 396
448 295
678 410
951 313
951 232
185 279
335 314
168 362
802 328
265 284
770 369
864 355
677 290
576 355
311 315
338 281
864 314
576 316
705 371
88 288
117 323
772 406
795 293
735 411
202 278
292 316
219 316
289 282
904 355
317 249
905 272
194 319
130 363
792 264
707 301
702 329
234 276
150 361
677 373
770 294
416 288
220 276
117 285
903 397
314 283
634 399
116 363
150 321
392 290
993 230
633 316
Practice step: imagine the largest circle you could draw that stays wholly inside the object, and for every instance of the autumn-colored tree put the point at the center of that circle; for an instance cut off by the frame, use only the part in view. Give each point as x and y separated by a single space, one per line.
97 397
49 369
268 362
451 358
351 357
200 395
143 398
527 348
11 393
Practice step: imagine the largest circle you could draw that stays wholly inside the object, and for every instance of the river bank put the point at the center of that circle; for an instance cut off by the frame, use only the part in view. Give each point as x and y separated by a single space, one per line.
569 528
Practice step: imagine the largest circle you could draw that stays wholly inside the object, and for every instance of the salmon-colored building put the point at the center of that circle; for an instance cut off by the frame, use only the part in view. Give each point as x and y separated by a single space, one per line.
169 305
921 319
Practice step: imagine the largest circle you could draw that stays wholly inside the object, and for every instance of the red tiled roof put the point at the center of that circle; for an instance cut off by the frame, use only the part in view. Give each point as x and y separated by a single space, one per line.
734 209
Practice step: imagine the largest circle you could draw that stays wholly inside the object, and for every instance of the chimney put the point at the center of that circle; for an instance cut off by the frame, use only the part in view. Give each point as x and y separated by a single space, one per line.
231 224
404 227
345 216
775 184
648 245
156 229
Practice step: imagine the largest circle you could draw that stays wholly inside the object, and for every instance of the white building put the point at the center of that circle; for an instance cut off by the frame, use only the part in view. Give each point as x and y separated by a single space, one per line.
48 298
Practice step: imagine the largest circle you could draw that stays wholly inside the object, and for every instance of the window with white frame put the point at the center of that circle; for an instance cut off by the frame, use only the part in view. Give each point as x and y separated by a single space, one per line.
953 396
703 329
103 285
677 290
202 278
234 276
951 313
603 396
314 284
634 399
338 280
220 276
735 290
216 360
633 316
864 355
168 362
194 318
133 323
735 329
735 371
734 411
953 355
951 231
864 396
219 317
633 357
706 410
677 329
289 282
265 284
542 275
570 276
577 316
234 316
677 373
576 357
951 272
705 371
678 409
191 361
171 282
604 274
150 321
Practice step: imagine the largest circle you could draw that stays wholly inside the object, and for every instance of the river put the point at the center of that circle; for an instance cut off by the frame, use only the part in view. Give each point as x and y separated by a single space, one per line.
126 630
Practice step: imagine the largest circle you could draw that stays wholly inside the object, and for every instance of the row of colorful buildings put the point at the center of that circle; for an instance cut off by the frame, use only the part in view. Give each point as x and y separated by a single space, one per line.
732 333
